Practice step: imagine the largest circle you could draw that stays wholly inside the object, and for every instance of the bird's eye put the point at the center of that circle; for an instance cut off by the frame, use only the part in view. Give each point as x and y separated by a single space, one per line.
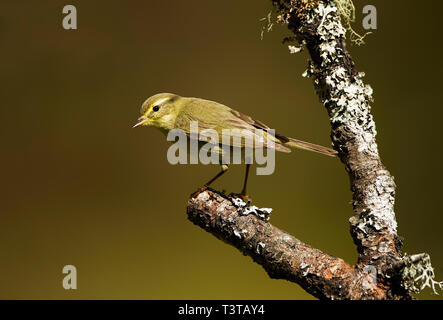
156 108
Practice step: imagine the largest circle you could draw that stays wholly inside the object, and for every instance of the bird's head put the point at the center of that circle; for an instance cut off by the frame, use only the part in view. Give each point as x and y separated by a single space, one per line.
159 111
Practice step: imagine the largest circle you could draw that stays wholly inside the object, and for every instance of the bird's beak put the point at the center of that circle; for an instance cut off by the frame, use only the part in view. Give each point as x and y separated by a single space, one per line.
140 122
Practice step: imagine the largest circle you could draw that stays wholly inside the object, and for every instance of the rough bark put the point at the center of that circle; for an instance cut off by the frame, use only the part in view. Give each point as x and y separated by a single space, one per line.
382 271
347 100
280 254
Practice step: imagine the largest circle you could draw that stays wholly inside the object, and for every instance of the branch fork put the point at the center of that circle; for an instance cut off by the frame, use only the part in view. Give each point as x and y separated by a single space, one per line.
382 271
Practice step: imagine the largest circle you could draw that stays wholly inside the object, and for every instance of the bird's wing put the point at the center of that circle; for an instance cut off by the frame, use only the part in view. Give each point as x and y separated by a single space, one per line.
259 125
218 117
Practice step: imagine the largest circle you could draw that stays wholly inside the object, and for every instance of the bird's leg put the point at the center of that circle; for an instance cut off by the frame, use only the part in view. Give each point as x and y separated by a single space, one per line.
243 194
224 168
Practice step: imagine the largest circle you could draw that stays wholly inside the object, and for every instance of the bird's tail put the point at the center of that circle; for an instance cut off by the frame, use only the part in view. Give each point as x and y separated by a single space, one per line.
294 143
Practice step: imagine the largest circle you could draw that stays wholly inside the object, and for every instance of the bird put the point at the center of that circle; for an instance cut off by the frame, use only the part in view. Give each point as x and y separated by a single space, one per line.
168 111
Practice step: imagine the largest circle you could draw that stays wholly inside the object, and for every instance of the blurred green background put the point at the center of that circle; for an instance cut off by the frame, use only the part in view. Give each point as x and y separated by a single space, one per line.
80 187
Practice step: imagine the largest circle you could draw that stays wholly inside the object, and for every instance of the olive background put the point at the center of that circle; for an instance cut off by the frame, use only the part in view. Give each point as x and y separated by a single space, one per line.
81 187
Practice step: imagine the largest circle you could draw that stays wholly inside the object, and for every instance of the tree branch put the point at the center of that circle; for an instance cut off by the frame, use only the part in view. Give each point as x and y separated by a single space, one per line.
280 254
347 100
382 271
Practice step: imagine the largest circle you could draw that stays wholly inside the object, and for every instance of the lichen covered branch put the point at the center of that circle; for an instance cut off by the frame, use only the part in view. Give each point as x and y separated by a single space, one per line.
347 100
316 25
280 254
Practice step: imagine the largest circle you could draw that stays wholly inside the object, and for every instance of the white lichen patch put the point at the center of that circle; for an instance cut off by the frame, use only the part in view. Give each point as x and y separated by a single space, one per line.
295 49
346 10
327 49
268 24
244 208
347 99
385 191
260 247
418 274
237 234
350 99
305 268
330 27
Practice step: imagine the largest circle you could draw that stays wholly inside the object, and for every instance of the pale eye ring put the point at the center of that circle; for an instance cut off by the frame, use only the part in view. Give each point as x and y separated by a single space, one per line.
156 108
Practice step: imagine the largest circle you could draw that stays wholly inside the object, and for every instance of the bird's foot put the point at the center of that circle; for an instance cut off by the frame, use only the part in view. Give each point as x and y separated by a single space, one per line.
199 190
242 196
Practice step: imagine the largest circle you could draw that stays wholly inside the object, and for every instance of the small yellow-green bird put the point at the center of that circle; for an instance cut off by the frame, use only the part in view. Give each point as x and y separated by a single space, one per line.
167 111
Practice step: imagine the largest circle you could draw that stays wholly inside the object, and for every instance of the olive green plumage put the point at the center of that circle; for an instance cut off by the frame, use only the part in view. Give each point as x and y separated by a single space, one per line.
167 111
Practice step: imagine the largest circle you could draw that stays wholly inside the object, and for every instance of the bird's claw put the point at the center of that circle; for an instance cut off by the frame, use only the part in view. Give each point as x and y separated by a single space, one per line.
242 196
198 191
